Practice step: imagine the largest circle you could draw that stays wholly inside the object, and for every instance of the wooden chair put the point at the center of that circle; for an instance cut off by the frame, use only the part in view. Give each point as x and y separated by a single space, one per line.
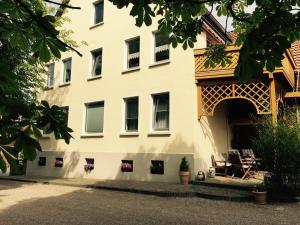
248 154
221 166
237 162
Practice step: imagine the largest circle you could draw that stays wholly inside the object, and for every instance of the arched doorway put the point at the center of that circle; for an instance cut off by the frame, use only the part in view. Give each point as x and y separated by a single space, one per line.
241 117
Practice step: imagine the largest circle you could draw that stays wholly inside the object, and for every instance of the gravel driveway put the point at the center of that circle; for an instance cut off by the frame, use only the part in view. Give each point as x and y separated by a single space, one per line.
24 203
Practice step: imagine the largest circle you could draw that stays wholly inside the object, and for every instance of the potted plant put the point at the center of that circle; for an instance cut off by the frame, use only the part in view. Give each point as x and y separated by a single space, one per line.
184 171
260 193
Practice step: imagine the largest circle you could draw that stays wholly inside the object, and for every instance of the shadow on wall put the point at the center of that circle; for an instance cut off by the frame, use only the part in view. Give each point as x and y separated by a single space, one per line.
70 161
55 96
107 165
217 130
170 155
214 137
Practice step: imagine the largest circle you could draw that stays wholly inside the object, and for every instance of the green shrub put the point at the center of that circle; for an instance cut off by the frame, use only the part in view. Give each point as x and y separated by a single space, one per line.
184 166
279 146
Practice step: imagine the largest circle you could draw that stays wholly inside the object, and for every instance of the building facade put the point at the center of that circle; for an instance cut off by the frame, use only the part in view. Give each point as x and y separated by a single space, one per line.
132 102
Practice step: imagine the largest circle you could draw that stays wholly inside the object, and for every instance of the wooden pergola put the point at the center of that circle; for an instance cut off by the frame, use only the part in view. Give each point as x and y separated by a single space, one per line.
218 84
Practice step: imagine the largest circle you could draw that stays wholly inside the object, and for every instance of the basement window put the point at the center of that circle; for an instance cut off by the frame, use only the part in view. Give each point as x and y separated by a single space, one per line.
42 161
127 166
59 162
157 167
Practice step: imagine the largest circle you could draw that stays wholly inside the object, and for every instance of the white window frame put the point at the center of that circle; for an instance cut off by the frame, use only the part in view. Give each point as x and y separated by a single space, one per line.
126 63
94 13
91 134
153 129
49 76
66 107
153 51
91 68
63 71
124 120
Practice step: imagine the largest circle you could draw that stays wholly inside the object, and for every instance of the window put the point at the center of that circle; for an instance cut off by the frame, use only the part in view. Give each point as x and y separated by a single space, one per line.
94 117
42 161
97 63
157 167
66 111
67 70
161 111
50 75
127 166
59 162
131 114
98 12
133 52
161 48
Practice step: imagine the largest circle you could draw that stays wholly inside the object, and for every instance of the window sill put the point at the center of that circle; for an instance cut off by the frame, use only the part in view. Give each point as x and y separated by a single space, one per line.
159 134
94 78
96 25
45 136
65 84
47 88
160 63
92 135
129 134
131 70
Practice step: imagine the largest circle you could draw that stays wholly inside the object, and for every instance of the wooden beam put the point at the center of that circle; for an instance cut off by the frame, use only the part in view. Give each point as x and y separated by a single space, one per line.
199 101
273 100
292 95
229 48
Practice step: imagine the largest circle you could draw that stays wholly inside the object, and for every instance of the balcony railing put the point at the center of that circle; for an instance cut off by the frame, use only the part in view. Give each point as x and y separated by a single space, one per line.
202 72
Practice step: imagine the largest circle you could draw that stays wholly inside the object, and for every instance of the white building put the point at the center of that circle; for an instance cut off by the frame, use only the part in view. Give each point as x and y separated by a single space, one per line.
131 101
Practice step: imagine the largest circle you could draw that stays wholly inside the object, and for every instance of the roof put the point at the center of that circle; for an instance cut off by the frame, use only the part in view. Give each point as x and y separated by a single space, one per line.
232 35
214 24
295 49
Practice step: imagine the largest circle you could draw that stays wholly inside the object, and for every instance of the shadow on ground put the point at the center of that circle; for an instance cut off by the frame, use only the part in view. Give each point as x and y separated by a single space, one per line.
89 206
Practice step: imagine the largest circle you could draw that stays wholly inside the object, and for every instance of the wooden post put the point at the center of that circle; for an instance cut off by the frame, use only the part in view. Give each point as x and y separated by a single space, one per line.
273 99
199 101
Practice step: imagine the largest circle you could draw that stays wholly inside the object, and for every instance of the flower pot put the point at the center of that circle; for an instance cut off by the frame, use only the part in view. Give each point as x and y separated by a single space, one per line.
184 177
260 197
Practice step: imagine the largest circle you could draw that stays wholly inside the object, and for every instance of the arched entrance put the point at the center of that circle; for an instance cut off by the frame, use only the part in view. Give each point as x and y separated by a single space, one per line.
241 119
211 94
240 116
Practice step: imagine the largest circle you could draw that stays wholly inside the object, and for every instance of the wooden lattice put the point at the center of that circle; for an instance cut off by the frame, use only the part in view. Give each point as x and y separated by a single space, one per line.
256 92
201 59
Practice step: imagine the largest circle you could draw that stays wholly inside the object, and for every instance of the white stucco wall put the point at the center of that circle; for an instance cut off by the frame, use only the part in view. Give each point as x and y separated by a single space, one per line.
186 137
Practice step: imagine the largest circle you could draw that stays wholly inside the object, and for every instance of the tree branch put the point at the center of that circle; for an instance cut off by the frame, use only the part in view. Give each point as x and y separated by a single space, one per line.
3 149
62 4
234 16
37 20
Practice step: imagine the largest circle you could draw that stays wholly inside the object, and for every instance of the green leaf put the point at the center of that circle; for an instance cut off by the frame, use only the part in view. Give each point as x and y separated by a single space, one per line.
36 132
139 21
2 165
44 52
29 152
54 49
148 20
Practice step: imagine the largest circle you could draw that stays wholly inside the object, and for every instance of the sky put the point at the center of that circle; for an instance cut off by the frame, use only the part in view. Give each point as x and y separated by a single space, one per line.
222 19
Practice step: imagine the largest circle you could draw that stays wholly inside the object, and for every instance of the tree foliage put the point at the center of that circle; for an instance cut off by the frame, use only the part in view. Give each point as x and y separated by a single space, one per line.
279 146
263 34
29 38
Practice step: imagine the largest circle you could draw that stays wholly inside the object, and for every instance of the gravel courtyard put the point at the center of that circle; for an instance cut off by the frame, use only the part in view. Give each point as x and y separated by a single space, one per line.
28 203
